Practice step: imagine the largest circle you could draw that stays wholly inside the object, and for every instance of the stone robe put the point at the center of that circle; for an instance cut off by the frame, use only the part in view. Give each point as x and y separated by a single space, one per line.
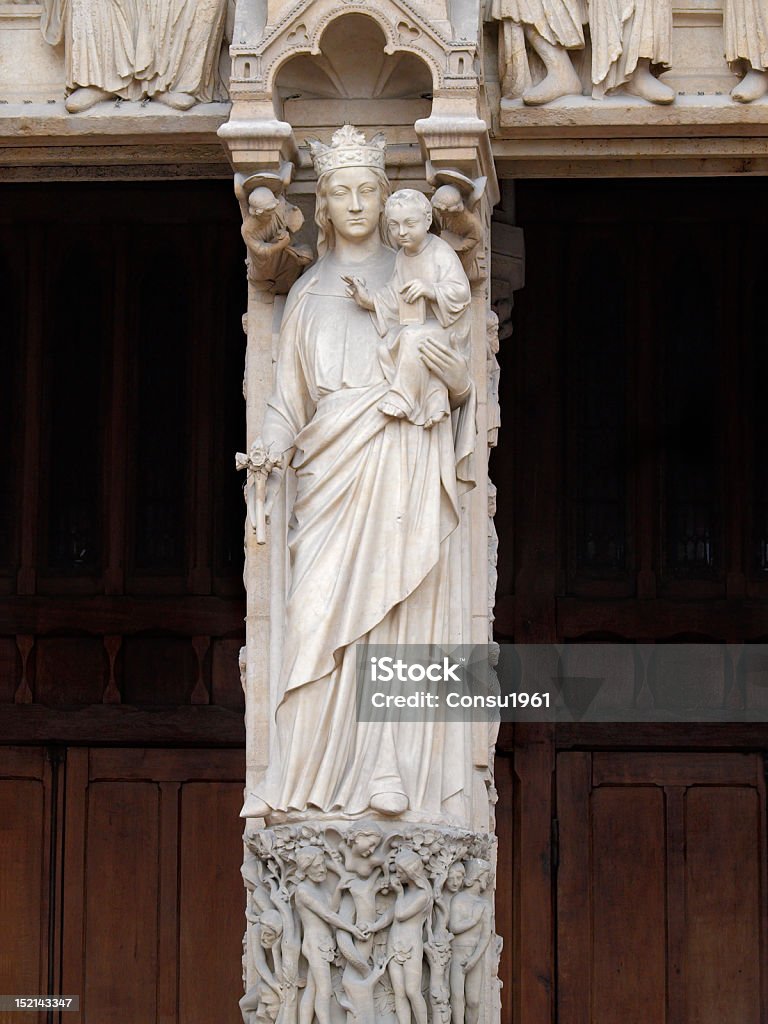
178 47
745 26
135 48
377 501
624 32
558 21
99 37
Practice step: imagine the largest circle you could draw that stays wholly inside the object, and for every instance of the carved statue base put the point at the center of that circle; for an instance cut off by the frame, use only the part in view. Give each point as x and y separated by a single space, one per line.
370 923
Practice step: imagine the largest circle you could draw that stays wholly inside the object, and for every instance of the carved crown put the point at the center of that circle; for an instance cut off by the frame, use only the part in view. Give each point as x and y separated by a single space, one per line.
348 148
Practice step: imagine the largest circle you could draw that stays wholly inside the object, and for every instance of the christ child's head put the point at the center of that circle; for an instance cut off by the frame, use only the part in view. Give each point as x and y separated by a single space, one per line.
409 216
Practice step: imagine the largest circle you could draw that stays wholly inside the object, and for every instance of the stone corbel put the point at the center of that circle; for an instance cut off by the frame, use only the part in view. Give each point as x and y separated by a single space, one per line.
274 260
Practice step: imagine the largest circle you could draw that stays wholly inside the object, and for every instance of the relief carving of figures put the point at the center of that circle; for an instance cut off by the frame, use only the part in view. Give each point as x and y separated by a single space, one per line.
745 25
471 924
166 50
631 41
347 524
269 221
359 923
550 28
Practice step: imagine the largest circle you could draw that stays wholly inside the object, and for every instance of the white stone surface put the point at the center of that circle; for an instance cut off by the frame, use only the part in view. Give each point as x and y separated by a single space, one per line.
372 563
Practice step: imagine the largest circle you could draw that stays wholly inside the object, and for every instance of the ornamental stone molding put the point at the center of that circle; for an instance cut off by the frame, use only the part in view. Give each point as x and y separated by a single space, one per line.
258 55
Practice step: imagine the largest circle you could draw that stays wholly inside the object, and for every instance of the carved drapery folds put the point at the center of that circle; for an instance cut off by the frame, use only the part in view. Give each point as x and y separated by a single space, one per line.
153 49
553 48
362 924
630 45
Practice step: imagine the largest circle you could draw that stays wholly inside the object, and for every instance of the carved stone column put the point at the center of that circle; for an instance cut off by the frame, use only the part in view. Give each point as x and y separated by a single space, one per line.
370 854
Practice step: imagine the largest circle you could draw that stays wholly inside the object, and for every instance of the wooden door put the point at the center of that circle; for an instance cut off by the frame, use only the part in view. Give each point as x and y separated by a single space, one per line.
26 813
661 893
153 912
120 883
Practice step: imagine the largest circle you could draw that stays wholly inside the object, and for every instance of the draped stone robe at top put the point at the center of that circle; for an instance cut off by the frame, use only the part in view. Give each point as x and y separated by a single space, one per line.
135 48
624 32
377 501
745 26
99 37
178 46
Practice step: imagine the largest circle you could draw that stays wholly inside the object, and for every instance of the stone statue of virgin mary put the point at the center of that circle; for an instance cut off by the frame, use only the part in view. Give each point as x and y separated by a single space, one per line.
377 503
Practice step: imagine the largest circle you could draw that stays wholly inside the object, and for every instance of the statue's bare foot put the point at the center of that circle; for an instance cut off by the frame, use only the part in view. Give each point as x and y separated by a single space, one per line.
391 410
389 803
176 100
647 86
254 807
561 80
85 98
752 86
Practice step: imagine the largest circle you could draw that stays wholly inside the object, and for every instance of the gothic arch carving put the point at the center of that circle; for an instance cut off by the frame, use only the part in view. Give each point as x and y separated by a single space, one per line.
255 66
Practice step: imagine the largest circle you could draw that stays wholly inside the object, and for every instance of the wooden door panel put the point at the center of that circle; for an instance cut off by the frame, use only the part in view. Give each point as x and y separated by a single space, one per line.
628 920
154 902
121 900
661 888
210 888
721 969
25 795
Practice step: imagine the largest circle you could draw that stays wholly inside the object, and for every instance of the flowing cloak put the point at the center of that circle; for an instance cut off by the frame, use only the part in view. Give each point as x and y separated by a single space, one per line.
377 501
178 46
624 32
99 38
745 26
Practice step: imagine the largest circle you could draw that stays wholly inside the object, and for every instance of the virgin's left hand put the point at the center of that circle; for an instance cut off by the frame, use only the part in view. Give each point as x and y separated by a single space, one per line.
447 364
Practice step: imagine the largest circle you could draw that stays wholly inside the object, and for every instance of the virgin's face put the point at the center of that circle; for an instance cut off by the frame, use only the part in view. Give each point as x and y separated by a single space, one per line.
354 203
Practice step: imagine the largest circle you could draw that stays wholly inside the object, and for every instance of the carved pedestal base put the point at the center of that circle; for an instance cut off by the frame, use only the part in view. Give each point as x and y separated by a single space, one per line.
371 923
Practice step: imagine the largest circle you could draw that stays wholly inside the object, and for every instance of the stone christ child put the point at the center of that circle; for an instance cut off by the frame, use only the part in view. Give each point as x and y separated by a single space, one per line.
427 270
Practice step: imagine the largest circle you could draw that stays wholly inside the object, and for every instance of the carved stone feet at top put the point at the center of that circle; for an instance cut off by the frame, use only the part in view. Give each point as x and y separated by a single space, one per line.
369 926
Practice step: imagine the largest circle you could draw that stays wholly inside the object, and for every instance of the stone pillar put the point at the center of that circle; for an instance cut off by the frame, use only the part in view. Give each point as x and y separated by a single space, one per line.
370 854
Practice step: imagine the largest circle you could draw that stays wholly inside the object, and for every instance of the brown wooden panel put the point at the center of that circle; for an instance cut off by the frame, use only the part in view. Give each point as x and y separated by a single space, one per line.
628 939
70 670
661 888
23 936
10 668
724 949
158 670
168 765
121 896
25 844
673 769
574 920
211 929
